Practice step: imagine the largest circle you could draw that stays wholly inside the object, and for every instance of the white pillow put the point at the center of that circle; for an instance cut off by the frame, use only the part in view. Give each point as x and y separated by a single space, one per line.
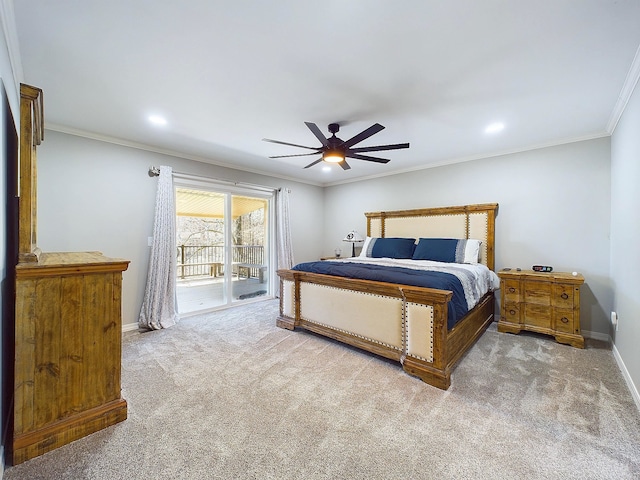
365 246
472 251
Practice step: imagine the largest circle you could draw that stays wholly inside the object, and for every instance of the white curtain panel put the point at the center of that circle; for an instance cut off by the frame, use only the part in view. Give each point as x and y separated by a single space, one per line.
159 304
285 247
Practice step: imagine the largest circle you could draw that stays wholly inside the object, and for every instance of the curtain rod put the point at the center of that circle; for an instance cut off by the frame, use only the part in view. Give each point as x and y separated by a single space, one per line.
155 171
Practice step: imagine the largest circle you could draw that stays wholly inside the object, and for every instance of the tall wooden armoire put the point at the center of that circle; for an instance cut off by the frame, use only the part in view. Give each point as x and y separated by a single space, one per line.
68 325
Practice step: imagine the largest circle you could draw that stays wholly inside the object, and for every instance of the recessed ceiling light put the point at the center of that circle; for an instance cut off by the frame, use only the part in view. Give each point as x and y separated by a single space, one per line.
494 127
326 168
157 120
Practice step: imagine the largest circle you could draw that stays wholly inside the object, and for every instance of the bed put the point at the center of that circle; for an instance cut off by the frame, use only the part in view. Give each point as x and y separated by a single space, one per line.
407 323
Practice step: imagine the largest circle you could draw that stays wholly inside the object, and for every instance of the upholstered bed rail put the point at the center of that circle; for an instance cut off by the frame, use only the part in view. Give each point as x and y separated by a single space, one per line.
398 320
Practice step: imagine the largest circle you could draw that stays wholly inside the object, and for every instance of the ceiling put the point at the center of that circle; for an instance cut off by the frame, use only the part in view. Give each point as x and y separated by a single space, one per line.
226 74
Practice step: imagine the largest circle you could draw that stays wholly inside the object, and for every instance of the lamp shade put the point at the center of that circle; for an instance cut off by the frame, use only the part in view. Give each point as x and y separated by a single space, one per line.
353 237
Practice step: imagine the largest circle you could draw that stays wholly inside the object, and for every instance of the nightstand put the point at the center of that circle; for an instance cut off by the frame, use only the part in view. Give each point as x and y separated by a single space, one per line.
539 302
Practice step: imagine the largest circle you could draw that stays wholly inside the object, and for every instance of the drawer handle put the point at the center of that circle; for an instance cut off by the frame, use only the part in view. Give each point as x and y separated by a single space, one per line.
564 320
512 290
564 296
512 312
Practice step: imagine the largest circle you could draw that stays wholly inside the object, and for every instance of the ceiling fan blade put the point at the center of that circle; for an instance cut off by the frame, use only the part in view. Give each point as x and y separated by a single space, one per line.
367 157
372 130
316 131
344 165
313 163
287 143
297 155
395 146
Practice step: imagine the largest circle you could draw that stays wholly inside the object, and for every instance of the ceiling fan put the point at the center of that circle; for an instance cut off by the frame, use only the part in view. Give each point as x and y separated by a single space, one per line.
336 150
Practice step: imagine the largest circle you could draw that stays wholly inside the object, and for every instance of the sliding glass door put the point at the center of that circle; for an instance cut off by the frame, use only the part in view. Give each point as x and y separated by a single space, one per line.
249 253
223 247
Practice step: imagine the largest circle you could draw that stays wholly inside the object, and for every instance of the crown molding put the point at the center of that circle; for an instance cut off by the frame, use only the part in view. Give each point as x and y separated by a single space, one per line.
625 94
481 156
140 146
148 148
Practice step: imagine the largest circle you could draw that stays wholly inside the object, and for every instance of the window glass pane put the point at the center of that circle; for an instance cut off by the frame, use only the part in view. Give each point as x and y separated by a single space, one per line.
200 250
250 247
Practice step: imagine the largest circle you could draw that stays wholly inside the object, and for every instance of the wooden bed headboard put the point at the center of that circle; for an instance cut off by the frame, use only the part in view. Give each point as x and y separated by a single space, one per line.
465 221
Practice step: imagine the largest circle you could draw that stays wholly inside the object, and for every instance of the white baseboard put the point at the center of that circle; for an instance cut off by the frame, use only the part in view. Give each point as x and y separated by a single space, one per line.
623 369
597 336
627 377
127 327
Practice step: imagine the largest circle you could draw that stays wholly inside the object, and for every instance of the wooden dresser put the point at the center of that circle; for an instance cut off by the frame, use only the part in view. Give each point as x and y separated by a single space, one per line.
546 303
68 324
67 350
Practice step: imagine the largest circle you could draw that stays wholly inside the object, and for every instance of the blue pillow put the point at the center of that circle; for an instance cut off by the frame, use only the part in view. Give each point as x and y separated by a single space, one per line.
391 247
439 250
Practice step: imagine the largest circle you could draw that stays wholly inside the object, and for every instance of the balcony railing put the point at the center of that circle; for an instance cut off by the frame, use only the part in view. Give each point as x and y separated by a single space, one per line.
208 260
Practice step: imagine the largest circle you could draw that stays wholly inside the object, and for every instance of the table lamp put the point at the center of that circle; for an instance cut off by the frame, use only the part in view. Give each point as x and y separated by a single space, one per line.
353 237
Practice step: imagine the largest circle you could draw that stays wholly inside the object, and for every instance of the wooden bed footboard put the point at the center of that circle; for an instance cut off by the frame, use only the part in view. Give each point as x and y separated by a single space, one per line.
404 323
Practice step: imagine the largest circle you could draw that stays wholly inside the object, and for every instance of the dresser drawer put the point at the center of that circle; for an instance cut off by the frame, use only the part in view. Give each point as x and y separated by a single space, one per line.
511 312
537 315
563 296
511 290
537 293
563 321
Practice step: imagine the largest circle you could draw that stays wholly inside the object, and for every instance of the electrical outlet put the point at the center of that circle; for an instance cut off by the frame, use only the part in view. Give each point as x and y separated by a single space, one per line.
614 320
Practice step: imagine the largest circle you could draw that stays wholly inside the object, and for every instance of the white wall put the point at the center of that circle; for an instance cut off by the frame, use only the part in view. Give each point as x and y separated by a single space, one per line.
554 210
94 195
625 232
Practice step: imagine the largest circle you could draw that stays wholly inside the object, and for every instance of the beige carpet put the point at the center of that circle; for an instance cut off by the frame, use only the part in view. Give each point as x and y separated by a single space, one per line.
229 395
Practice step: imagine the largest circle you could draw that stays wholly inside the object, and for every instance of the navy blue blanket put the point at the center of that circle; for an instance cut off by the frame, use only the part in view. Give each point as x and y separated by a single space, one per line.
457 307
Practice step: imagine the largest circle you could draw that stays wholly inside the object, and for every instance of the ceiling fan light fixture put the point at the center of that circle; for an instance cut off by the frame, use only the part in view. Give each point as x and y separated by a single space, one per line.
333 156
334 150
